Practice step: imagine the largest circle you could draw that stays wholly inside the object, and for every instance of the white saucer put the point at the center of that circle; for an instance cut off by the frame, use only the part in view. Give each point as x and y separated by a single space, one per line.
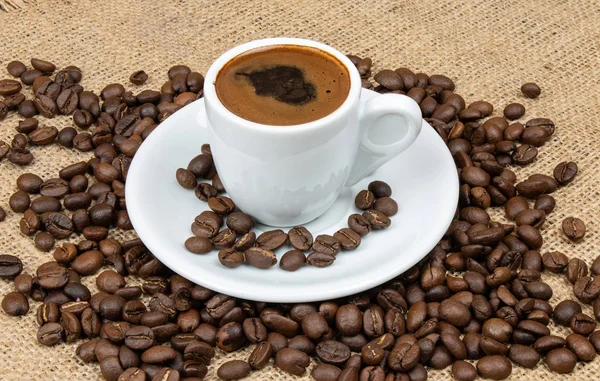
424 183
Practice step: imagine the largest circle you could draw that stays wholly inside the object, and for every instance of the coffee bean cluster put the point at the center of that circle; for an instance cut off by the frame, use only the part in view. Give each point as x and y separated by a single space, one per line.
477 296
238 244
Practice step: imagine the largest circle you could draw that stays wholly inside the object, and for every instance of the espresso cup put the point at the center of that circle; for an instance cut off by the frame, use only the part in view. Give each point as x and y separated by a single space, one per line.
287 176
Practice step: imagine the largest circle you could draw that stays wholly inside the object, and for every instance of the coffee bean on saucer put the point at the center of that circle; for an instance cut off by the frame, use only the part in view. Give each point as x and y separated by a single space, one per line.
186 178
292 260
272 239
531 90
198 245
386 205
207 224
565 172
377 219
348 238
260 258
300 238
221 205
326 244
364 200
200 165
359 224
245 242
231 257
204 191
574 228
225 239
240 223
318 259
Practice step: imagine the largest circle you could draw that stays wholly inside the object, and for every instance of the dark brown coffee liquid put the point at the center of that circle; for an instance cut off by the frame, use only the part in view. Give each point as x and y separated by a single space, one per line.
283 85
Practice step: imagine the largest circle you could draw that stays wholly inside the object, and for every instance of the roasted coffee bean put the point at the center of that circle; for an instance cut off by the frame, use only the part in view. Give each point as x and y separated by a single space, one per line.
524 154
74 201
555 262
364 200
531 90
240 223
463 371
233 370
359 224
292 260
347 238
67 101
44 241
547 343
389 79
230 337
139 338
386 205
582 324
230 257
494 367
186 178
221 205
380 189
225 239
198 245
564 311
19 202
50 334
260 258
595 339
43 66
574 228
561 360
55 187
455 313
582 348
514 111
30 183
15 304
545 203
200 165
10 266
326 244
52 275
24 283
158 354
272 239
300 238
576 268
377 219
110 281
292 361
332 352
254 330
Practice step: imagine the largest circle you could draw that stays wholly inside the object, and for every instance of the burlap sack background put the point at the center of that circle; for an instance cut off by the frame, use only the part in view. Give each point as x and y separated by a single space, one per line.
488 47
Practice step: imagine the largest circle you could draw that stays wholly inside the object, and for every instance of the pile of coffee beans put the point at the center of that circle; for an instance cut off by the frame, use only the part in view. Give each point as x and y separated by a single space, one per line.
258 252
476 298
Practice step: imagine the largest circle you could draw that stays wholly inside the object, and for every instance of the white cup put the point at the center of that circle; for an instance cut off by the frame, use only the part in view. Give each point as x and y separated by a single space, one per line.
287 176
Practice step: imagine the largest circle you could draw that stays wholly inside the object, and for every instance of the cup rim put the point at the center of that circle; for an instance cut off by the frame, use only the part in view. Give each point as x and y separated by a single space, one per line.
211 97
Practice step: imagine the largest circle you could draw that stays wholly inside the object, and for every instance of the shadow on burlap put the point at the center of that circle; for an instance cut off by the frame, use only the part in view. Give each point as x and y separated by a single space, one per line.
489 48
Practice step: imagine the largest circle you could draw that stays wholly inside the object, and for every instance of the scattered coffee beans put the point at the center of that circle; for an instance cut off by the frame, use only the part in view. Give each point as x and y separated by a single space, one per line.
495 296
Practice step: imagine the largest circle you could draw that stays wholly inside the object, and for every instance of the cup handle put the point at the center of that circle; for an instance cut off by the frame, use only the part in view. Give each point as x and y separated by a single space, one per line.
389 124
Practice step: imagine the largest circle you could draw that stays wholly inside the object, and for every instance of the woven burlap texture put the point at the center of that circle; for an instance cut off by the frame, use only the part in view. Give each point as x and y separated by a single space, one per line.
489 48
